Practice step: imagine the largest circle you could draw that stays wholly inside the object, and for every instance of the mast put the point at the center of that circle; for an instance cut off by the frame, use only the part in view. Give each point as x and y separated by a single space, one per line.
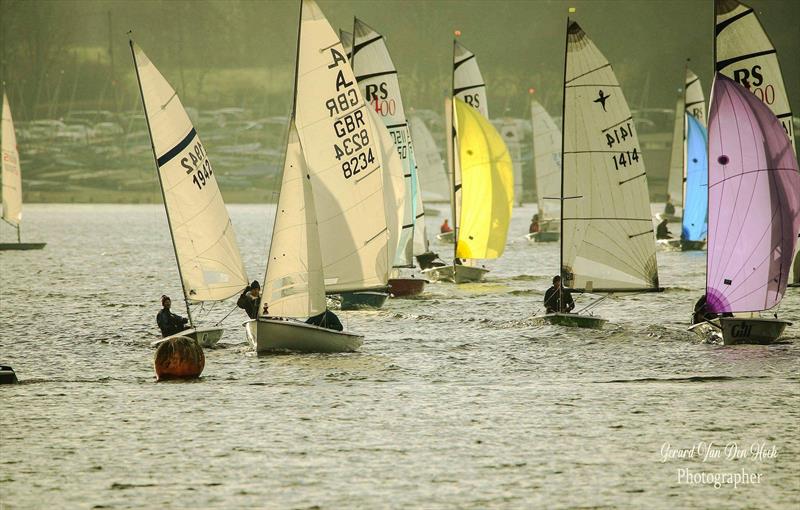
561 198
454 140
683 124
161 184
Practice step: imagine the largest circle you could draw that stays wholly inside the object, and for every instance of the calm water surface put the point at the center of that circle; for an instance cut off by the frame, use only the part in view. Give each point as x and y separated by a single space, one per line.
455 400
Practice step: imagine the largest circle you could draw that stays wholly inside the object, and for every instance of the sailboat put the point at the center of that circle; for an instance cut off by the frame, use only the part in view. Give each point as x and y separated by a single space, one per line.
12 183
482 176
754 216
433 181
377 79
688 178
547 159
330 224
607 237
209 264
751 147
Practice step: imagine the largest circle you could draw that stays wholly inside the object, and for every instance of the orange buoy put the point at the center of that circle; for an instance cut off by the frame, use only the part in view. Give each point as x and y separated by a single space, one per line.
180 357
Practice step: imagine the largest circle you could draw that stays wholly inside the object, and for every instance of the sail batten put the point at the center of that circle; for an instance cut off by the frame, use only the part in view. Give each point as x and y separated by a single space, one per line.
607 235
205 244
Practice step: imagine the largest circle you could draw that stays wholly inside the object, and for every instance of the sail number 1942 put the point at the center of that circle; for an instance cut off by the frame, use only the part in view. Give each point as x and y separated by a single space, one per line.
198 164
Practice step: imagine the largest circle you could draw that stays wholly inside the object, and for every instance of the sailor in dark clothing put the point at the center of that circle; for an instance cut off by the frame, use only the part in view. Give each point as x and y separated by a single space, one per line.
669 207
249 299
701 315
168 322
662 232
326 319
558 300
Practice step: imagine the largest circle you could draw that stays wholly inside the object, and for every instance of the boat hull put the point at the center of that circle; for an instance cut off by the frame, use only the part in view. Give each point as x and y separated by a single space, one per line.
668 244
445 237
740 330
206 337
692 245
22 246
456 274
403 287
544 237
572 320
368 300
285 335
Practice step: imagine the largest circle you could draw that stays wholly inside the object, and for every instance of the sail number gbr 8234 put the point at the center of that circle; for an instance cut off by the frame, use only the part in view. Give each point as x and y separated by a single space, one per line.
351 148
196 162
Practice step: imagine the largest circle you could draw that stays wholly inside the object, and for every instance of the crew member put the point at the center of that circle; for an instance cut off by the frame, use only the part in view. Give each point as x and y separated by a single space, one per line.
248 300
662 232
558 299
169 323
534 228
445 227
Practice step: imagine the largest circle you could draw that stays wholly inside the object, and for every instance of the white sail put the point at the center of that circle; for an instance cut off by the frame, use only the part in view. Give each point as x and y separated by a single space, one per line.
512 135
547 159
347 42
695 99
745 54
294 285
377 78
468 84
434 182
608 238
343 159
205 243
12 178
394 189
676 170
420 244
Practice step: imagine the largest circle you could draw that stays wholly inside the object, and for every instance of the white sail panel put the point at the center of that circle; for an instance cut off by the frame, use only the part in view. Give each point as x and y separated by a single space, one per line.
434 182
695 99
205 243
347 42
420 231
294 285
608 238
676 169
746 55
451 129
394 188
468 84
377 78
512 134
343 159
547 160
12 178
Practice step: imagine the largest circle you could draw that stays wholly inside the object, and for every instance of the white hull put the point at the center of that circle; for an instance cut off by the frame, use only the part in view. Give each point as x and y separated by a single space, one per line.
287 335
740 330
456 273
206 337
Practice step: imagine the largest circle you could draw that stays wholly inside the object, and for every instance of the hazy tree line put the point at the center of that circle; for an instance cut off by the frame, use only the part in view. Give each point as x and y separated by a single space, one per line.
61 55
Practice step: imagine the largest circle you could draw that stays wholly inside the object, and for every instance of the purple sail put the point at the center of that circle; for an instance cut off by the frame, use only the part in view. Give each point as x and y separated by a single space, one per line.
753 202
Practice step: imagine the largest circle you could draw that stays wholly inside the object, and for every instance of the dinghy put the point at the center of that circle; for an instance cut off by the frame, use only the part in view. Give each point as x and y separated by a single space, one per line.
12 183
330 232
207 255
481 176
754 216
607 236
547 166
688 178
377 78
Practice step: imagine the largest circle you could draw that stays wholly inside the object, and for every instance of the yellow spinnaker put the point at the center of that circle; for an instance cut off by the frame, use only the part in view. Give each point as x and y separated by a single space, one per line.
487 186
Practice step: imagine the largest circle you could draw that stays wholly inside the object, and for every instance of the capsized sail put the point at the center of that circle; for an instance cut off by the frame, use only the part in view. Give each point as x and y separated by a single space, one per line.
547 162
745 54
12 178
377 78
294 284
205 243
694 226
607 233
487 185
754 202
433 179
343 159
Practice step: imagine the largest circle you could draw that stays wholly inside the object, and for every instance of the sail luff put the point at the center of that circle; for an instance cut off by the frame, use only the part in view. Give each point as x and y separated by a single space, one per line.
11 171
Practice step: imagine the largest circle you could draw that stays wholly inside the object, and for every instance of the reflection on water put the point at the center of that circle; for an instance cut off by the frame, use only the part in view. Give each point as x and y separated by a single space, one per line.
456 400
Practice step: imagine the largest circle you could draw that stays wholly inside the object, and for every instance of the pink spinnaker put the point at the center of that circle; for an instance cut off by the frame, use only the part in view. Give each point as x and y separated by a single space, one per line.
753 202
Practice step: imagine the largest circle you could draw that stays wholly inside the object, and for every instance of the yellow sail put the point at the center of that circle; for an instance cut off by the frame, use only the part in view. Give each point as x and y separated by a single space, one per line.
487 185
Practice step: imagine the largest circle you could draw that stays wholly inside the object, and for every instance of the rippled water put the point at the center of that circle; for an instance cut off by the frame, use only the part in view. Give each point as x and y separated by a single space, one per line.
455 400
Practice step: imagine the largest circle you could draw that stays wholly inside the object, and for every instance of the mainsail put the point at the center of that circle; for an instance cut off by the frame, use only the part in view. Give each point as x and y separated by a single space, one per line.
487 185
294 284
694 226
12 178
377 78
745 53
512 134
547 162
690 102
754 197
343 160
607 233
208 257
347 42
433 179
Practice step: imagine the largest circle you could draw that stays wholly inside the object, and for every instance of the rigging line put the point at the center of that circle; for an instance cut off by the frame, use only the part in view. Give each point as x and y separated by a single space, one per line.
767 171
